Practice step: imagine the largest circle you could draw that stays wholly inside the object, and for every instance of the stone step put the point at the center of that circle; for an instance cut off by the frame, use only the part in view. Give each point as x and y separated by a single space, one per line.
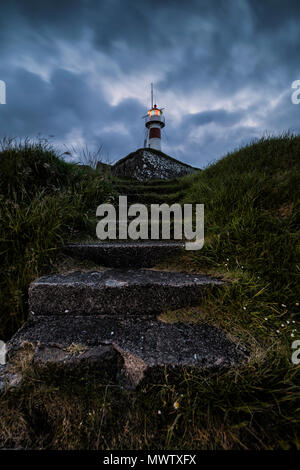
126 350
125 254
153 198
116 292
142 189
158 183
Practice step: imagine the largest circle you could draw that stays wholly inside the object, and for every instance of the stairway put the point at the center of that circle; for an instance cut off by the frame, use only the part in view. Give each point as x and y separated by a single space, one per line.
105 322
151 192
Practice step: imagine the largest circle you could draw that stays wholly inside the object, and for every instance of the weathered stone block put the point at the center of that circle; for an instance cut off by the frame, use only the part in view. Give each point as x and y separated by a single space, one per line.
116 292
145 164
129 254
125 350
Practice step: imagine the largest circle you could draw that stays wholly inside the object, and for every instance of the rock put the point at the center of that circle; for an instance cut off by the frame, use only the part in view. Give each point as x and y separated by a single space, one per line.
125 254
102 360
125 350
9 379
145 164
2 378
116 292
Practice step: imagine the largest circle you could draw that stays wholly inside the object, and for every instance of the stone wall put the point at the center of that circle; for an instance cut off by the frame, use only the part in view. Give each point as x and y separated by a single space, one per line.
147 164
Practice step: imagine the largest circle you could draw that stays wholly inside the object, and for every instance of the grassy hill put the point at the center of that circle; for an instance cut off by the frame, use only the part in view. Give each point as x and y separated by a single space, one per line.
43 201
252 228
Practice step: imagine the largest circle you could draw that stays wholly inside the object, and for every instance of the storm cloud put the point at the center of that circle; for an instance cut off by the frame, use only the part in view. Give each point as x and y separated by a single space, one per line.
79 72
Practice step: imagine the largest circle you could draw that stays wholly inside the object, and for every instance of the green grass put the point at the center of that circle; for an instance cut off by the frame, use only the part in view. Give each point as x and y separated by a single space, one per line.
252 214
252 229
43 202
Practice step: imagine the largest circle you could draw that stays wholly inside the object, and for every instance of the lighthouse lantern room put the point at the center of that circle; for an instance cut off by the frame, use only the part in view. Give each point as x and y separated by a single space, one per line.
154 122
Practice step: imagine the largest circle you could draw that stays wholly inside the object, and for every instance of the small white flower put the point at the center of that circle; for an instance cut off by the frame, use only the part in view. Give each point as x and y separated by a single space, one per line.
293 321
227 259
266 319
66 311
277 331
282 325
245 308
297 304
288 322
112 333
283 305
159 412
176 405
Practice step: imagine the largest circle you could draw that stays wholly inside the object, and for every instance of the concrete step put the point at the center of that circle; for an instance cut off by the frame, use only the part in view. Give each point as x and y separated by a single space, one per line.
153 198
125 254
142 189
162 183
129 351
116 292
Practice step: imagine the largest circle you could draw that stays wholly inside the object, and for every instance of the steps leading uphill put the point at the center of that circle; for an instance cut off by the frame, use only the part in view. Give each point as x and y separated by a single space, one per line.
105 322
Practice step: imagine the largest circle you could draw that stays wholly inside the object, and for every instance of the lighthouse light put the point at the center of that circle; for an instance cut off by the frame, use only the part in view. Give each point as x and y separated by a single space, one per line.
154 112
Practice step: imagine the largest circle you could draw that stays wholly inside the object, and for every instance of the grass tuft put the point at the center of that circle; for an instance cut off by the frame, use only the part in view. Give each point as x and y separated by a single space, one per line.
43 202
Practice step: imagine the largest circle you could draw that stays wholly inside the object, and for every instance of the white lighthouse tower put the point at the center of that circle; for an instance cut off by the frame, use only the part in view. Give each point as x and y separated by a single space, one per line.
154 122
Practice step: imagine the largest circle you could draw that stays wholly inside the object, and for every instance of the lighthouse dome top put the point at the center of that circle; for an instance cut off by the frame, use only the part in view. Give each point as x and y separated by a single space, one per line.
155 111
155 115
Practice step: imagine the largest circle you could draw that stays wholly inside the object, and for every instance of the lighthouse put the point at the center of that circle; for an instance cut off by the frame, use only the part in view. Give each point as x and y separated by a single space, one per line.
154 122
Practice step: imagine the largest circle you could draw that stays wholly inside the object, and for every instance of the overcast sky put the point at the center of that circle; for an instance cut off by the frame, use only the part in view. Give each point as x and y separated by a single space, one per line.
79 72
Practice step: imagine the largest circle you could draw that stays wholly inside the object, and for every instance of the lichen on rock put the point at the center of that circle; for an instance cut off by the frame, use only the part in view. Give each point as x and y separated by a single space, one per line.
145 164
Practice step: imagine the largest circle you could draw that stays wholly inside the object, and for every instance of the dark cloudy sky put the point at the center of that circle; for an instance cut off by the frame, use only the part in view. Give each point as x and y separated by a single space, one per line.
80 71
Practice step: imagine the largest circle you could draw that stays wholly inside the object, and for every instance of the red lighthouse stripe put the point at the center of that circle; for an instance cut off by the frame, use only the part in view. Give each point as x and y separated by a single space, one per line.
154 133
